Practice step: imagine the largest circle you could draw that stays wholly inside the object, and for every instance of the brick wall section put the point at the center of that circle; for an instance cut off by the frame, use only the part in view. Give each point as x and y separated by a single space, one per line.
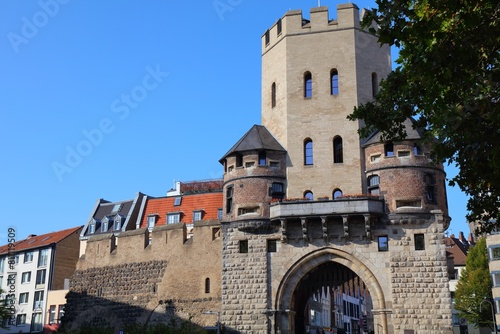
244 282
403 178
66 257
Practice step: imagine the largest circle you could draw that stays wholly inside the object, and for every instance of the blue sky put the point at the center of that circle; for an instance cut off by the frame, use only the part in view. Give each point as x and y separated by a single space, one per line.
103 99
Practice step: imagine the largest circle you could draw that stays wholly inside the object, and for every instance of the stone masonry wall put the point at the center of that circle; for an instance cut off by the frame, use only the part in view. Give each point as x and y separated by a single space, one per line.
123 291
126 278
419 280
244 283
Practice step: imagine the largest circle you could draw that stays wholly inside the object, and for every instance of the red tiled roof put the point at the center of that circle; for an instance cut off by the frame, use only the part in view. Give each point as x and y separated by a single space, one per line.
40 240
208 202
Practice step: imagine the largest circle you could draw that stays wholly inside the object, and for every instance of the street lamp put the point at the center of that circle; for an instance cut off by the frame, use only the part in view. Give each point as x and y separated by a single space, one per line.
218 319
492 312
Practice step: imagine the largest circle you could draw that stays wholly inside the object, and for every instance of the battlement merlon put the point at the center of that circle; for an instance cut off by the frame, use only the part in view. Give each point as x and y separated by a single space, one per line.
294 23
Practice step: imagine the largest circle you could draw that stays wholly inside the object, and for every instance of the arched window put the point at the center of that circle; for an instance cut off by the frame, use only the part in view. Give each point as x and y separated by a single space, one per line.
373 185
308 152
308 195
308 85
207 285
334 82
374 84
337 193
338 152
389 149
273 95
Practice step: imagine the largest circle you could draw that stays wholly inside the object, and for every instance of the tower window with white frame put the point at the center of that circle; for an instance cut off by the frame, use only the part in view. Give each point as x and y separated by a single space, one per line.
43 257
23 298
28 257
38 300
41 276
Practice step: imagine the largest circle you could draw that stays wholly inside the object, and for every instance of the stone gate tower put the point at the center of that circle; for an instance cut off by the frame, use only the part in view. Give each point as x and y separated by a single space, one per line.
311 209
313 73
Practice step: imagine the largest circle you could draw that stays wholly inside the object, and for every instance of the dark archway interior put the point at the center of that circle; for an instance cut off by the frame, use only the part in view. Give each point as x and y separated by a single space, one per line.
339 280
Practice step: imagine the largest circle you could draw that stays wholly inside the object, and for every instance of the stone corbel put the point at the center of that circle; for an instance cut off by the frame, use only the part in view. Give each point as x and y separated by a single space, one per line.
346 226
368 226
303 223
284 238
325 228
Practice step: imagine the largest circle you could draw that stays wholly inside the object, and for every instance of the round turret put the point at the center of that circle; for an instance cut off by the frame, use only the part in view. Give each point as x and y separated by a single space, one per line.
254 176
403 173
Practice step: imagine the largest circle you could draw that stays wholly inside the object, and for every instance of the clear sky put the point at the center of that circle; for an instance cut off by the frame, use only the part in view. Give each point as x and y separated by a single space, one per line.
104 99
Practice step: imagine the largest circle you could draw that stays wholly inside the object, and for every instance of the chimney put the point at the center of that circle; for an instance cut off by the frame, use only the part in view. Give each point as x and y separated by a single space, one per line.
461 237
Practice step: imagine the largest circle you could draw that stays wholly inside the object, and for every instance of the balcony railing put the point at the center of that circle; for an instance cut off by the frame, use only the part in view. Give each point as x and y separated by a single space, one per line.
342 206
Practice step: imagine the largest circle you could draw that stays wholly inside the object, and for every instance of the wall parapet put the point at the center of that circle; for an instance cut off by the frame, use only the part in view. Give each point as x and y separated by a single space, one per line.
293 22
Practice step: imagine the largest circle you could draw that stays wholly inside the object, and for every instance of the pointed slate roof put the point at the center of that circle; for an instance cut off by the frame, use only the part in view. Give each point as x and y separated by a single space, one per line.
411 133
256 139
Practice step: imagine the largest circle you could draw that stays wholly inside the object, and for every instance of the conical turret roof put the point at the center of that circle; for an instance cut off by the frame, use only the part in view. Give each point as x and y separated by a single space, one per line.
256 139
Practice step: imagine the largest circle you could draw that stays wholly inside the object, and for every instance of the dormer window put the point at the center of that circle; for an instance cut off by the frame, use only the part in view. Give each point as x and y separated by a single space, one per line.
105 223
94 225
151 221
118 222
173 218
197 215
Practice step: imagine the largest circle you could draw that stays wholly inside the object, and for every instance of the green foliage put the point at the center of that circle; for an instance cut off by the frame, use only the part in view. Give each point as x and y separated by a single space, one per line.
4 310
474 286
448 80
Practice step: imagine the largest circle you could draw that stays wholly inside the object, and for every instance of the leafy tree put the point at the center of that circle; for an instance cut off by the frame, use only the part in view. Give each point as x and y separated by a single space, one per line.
448 79
4 310
474 286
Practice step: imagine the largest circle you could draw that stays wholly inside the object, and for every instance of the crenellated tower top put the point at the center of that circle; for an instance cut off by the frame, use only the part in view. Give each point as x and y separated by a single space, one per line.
293 23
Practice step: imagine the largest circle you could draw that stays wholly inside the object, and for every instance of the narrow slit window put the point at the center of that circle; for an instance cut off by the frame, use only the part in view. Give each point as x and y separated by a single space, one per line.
308 152
273 95
308 89
207 285
334 80
338 152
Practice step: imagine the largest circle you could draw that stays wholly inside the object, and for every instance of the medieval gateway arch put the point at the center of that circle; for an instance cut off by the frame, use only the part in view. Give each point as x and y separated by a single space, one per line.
322 230
334 276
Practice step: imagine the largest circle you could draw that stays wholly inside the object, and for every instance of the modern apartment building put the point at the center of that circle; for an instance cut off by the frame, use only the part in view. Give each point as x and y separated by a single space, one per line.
29 270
